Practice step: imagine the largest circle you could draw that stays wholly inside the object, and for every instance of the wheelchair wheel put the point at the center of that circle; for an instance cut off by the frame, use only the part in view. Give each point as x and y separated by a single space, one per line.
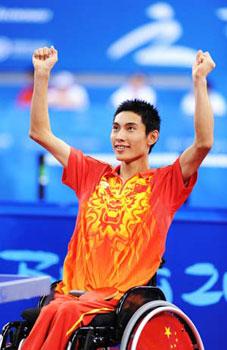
1 341
21 344
159 325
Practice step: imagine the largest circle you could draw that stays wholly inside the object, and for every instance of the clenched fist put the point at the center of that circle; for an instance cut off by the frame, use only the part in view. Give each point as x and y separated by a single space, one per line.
44 59
203 65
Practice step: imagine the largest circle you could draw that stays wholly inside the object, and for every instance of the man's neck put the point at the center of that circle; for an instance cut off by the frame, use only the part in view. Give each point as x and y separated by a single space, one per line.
128 170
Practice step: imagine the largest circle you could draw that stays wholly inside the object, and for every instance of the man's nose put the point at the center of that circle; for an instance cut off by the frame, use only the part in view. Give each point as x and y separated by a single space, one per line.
121 135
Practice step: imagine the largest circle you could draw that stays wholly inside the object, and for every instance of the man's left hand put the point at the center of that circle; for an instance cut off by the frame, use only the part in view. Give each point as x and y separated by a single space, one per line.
203 65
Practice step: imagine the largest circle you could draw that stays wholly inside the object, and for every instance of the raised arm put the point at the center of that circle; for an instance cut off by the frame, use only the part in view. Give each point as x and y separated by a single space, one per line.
40 130
193 156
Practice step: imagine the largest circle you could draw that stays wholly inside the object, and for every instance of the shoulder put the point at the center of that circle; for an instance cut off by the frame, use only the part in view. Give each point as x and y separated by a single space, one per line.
166 168
168 171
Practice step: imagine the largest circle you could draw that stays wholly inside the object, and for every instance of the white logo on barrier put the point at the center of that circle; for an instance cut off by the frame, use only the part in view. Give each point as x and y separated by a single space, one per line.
203 295
26 15
38 260
222 15
6 48
20 48
159 36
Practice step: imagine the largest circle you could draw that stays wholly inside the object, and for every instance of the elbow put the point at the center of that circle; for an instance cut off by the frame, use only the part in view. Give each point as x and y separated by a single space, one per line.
34 136
205 147
37 136
209 144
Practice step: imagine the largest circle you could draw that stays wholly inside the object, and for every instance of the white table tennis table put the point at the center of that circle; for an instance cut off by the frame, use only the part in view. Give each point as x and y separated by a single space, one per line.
15 287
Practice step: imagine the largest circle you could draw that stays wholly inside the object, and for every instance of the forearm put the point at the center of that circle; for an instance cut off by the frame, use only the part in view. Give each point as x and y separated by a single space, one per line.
193 156
39 122
203 120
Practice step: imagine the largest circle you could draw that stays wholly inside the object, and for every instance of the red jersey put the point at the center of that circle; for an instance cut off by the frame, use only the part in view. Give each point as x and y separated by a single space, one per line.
120 234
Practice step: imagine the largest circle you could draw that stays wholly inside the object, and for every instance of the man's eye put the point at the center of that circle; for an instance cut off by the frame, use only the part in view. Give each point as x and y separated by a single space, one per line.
131 128
115 127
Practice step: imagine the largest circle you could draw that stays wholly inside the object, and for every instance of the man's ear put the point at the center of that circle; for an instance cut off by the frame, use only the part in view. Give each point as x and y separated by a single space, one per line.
152 137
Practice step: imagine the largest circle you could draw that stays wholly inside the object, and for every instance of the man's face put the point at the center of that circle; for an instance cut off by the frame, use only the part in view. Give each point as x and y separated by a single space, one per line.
128 137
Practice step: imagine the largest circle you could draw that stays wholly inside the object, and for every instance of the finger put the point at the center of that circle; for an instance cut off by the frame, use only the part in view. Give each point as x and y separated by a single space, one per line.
207 55
36 53
53 50
46 52
212 63
209 58
199 53
40 53
199 56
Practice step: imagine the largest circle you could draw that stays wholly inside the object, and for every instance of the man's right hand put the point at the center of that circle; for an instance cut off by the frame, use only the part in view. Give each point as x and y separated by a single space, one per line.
44 59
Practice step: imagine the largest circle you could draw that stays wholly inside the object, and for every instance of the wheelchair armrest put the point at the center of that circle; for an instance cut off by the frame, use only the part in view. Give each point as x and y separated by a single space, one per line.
46 299
77 292
31 315
133 299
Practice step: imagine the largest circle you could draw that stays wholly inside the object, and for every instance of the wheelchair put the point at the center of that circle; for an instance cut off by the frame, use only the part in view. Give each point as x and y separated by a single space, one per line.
142 320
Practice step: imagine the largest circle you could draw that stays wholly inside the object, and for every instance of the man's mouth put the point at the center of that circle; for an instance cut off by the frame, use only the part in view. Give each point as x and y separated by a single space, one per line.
120 147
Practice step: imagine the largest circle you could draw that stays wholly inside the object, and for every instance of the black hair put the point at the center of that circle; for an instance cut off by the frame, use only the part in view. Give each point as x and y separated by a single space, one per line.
148 113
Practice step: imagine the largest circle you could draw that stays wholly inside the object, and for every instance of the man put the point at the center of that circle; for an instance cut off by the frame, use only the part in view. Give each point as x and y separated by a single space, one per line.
124 213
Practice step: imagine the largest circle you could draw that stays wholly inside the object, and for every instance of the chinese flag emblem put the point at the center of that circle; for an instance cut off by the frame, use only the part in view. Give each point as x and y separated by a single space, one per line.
164 332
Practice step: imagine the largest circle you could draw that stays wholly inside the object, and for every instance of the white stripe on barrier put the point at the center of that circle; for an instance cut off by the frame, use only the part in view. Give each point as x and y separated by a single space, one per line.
156 160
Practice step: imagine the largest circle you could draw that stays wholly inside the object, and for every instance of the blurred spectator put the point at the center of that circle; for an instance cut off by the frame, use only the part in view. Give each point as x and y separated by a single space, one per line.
217 101
25 94
65 93
136 87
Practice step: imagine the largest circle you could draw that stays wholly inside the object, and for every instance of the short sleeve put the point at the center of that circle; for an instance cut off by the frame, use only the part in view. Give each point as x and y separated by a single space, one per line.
82 172
171 187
